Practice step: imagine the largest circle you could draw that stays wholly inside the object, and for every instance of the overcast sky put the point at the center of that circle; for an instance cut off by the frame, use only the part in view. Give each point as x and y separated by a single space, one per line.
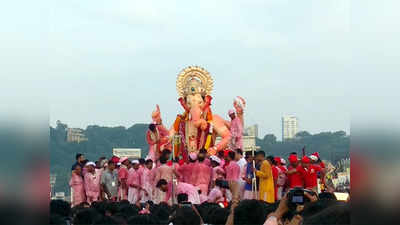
110 62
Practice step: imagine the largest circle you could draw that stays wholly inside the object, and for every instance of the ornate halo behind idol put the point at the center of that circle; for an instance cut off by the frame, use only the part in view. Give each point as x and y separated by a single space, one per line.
194 80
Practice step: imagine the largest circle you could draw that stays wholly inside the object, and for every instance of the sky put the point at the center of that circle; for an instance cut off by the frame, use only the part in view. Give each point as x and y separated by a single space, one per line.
109 62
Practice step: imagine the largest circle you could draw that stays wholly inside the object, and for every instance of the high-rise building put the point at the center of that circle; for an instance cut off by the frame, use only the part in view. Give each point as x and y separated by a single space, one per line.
289 127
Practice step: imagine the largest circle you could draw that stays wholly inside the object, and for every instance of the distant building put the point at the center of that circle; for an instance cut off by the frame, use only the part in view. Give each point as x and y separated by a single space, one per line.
251 131
289 127
75 135
249 143
132 153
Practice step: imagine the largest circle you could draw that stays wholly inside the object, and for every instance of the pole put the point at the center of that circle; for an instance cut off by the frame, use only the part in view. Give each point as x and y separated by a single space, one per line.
175 141
254 180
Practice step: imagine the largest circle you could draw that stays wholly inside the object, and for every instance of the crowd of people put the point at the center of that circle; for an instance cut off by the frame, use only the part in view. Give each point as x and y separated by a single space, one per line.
222 178
227 188
319 209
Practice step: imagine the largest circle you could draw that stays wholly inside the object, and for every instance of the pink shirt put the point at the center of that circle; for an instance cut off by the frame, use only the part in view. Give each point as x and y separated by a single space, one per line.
232 171
202 174
215 195
164 172
190 190
122 173
148 179
78 190
218 173
92 185
134 177
186 172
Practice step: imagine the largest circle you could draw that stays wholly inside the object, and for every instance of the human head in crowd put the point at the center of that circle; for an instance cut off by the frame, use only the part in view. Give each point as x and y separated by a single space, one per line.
215 161
293 160
142 220
232 114
142 161
314 159
186 216
79 157
90 167
239 154
230 156
192 157
163 160
166 153
202 155
250 212
152 127
218 216
78 170
111 165
249 157
162 184
125 161
260 156
283 161
277 161
271 160
334 214
135 164
83 162
220 154
149 164
305 161
182 197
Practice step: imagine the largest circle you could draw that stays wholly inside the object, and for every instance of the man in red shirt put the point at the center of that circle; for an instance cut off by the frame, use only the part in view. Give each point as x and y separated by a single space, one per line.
310 175
275 173
295 173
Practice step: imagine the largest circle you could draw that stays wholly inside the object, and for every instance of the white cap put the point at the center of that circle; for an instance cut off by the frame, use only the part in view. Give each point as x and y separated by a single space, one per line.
135 161
215 158
283 161
90 164
118 164
313 157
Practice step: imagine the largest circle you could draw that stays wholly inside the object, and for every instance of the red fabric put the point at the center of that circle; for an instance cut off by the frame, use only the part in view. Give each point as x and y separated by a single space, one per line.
310 176
277 160
275 174
296 179
293 158
305 159
122 173
115 159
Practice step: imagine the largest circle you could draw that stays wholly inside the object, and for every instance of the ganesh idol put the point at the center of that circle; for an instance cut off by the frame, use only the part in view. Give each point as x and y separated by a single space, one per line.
197 127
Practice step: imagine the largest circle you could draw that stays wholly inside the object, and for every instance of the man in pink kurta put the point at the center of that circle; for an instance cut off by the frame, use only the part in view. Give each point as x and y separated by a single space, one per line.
153 139
162 172
232 171
134 183
236 131
92 183
147 181
218 171
202 173
123 176
181 188
185 172
77 187
217 194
